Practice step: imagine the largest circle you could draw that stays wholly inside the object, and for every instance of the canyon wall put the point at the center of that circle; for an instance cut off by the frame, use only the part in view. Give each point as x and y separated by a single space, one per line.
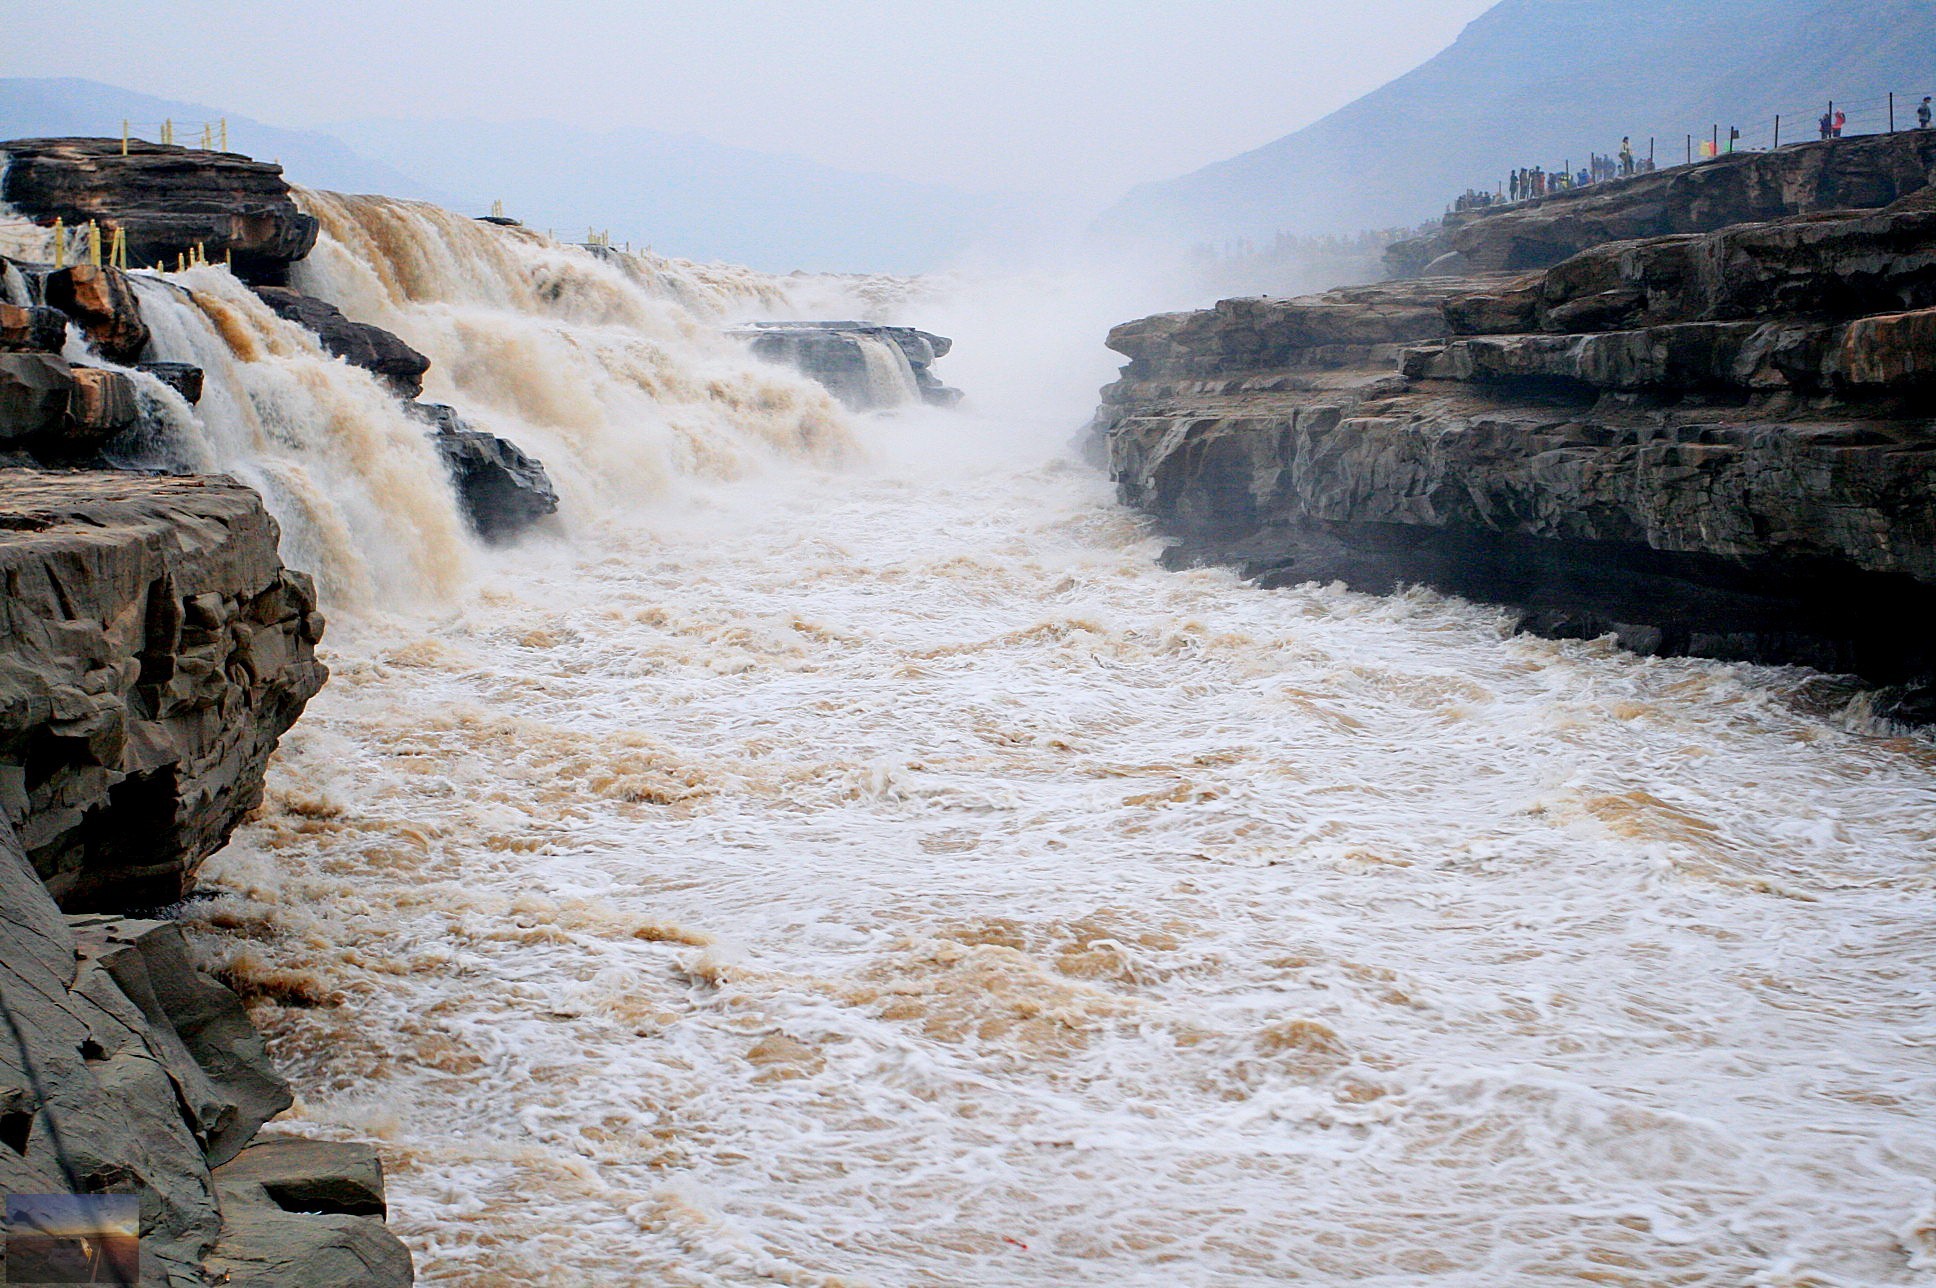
1713 442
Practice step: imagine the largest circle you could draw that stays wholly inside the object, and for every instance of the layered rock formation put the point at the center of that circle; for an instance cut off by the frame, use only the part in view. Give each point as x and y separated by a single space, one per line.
124 1069
869 367
167 200
152 650
1747 187
1711 443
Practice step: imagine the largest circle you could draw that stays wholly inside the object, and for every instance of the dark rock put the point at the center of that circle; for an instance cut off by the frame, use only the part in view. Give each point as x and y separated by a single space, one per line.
1867 173
168 200
1714 444
306 1214
31 329
184 378
103 405
36 390
216 1059
152 650
504 490
869 367
357 343
101 301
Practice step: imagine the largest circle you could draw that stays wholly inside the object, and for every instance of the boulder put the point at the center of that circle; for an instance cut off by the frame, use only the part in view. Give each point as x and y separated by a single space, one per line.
503 489
182 377
101 301
868 366
357 343
29 328
103 405
36 390
306 1214
168 200
153 648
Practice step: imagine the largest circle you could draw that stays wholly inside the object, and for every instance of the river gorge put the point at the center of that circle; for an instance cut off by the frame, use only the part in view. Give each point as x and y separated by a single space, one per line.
834 849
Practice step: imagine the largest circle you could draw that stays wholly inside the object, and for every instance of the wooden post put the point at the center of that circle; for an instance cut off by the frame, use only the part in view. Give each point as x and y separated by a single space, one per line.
60 245
93 244
124 136
225 134
168 132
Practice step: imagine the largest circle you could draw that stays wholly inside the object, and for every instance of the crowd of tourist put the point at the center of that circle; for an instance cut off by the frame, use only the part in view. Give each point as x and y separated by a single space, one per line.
1529 183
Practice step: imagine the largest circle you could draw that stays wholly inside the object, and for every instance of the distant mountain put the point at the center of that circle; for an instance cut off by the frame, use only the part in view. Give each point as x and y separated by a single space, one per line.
683 194
31 107
1541 82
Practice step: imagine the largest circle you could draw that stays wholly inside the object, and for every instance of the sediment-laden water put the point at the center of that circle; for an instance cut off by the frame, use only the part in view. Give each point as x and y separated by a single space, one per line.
835 853
889 876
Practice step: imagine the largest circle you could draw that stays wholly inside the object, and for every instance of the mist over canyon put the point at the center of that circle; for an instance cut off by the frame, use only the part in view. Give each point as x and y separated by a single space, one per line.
667 733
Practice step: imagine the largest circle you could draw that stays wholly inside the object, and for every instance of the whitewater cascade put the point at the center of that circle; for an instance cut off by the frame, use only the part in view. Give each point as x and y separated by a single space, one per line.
608 367
846 858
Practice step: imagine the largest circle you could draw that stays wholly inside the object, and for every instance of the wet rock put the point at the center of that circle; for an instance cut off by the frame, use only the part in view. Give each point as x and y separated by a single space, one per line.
103 405
869 367
152 650
35 392
31 329
306 1214
101 301
504 489
357 343
184 378
168 200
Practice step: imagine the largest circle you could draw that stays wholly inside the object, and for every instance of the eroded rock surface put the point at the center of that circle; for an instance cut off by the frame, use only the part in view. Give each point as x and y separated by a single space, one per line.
1713 443
168 200
868 366
152 650
1749 187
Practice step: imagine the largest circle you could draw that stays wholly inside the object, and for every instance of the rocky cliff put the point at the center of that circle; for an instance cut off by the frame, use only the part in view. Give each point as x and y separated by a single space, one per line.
1746 187
152 650
869 367
1714 442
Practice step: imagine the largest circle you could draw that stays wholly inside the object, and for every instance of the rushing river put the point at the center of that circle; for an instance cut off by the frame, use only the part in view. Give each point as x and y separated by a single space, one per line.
887 875
837 854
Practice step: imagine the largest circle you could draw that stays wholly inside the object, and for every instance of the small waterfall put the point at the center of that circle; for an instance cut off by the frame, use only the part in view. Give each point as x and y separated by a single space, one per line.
360 492
890 380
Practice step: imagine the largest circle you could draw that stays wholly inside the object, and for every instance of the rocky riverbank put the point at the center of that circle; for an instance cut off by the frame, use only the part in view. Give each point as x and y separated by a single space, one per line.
1711 442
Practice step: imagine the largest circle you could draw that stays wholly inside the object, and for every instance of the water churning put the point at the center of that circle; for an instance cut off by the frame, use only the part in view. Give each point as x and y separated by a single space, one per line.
838 854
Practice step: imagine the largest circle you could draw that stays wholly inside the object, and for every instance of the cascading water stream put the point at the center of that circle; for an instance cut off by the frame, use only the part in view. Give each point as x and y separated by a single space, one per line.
886 874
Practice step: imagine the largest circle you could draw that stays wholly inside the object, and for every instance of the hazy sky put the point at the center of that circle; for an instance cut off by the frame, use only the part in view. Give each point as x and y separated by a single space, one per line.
998 94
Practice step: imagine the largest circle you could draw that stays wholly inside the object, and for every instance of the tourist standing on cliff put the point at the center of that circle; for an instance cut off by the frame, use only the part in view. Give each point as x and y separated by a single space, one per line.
1922 115
1841 119
1828 125
1626 158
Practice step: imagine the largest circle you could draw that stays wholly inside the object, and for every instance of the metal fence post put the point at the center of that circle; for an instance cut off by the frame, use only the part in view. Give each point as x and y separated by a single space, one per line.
1892 111
1777 131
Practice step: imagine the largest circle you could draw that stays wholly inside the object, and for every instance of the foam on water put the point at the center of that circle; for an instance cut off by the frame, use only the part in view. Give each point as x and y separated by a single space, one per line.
885 874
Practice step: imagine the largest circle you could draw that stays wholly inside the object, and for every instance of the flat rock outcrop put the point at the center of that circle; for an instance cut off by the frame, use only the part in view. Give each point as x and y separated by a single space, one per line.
168 200
152 650
868 366
1713 443
1748 187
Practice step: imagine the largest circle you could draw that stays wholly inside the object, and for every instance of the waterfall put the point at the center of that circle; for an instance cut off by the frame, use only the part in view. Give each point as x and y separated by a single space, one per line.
609 367
890 379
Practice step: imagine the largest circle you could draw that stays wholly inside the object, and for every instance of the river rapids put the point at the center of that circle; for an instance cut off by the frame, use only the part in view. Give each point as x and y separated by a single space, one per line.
838 854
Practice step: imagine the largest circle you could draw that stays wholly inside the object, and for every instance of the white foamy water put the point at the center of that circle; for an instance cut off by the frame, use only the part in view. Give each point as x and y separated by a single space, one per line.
833 852
888 876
